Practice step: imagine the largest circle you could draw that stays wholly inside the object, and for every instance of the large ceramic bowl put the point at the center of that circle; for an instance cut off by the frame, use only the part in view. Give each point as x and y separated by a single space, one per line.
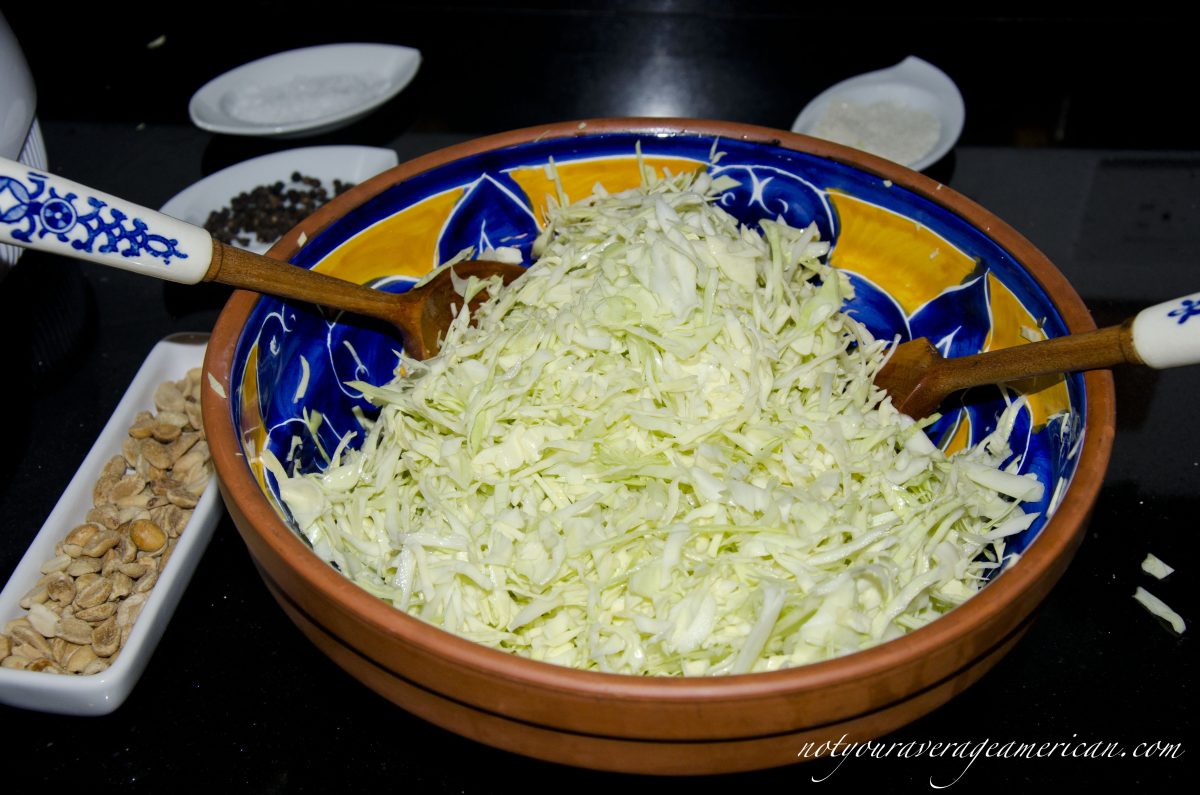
924 262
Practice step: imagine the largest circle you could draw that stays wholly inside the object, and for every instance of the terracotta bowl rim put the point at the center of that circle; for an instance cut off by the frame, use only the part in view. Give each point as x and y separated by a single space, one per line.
1057 539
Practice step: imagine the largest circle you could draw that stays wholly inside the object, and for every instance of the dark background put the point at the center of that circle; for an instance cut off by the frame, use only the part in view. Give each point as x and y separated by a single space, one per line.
1028 78
1079 132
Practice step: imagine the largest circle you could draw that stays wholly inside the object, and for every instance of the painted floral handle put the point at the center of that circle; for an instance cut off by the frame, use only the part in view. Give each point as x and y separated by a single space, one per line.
49 213
1168 335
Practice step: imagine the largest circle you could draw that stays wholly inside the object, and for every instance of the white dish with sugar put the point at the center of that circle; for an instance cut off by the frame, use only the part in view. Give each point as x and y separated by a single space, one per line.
911 113
304 92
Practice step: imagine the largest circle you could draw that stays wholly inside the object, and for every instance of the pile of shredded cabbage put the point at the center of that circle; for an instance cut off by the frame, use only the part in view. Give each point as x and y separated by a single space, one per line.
660 452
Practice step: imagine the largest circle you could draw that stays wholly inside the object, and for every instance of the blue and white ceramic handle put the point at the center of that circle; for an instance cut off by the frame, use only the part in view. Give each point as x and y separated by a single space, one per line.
49 213
1168 335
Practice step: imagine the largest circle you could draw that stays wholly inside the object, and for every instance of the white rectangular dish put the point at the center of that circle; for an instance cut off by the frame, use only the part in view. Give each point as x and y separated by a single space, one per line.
101 693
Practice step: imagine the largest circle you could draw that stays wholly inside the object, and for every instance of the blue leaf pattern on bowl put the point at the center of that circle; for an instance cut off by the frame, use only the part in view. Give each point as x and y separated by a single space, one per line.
491 214
877 310
1037 456
766 192
957 322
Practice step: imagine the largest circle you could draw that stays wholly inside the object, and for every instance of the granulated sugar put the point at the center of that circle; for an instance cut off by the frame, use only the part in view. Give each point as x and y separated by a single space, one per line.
902 135
301 99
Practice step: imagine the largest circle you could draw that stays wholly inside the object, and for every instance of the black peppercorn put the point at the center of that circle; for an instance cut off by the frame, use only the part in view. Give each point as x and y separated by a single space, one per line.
268 211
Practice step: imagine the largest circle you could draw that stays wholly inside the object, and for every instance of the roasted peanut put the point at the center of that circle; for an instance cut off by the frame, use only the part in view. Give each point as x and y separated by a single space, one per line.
82 610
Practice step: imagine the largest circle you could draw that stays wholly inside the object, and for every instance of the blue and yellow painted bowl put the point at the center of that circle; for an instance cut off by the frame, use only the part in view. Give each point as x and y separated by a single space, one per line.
924 262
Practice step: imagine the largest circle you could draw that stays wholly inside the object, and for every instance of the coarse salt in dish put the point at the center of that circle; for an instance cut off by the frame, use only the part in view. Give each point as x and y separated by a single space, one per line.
304 92
301 99
901 134
911 113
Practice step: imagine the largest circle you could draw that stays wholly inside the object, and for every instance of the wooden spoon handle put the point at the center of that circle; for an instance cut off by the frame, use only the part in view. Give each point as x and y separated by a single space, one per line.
917 377
1090 350
251 271
1159 336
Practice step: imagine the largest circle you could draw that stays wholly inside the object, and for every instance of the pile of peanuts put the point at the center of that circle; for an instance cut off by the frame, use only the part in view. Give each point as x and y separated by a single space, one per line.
81 611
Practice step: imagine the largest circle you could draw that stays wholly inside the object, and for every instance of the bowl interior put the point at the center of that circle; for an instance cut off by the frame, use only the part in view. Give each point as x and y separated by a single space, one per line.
918 269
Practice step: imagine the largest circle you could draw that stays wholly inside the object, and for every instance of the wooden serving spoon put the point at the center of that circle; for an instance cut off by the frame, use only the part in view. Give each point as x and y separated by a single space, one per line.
49 213
421 315
1166 335
42 211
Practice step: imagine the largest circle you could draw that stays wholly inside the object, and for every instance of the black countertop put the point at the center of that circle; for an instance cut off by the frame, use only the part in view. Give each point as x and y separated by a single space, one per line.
235 697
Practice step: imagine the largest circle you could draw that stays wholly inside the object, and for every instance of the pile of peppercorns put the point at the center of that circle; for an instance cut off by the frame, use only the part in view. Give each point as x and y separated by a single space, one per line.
266 212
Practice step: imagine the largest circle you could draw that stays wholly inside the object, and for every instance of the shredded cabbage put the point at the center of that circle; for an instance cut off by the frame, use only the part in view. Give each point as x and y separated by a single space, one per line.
660 452
1160 608
1155 567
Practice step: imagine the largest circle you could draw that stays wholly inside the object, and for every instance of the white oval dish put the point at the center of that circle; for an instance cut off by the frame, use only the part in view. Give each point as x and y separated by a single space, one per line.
912 84
304 92
100 694
352 164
